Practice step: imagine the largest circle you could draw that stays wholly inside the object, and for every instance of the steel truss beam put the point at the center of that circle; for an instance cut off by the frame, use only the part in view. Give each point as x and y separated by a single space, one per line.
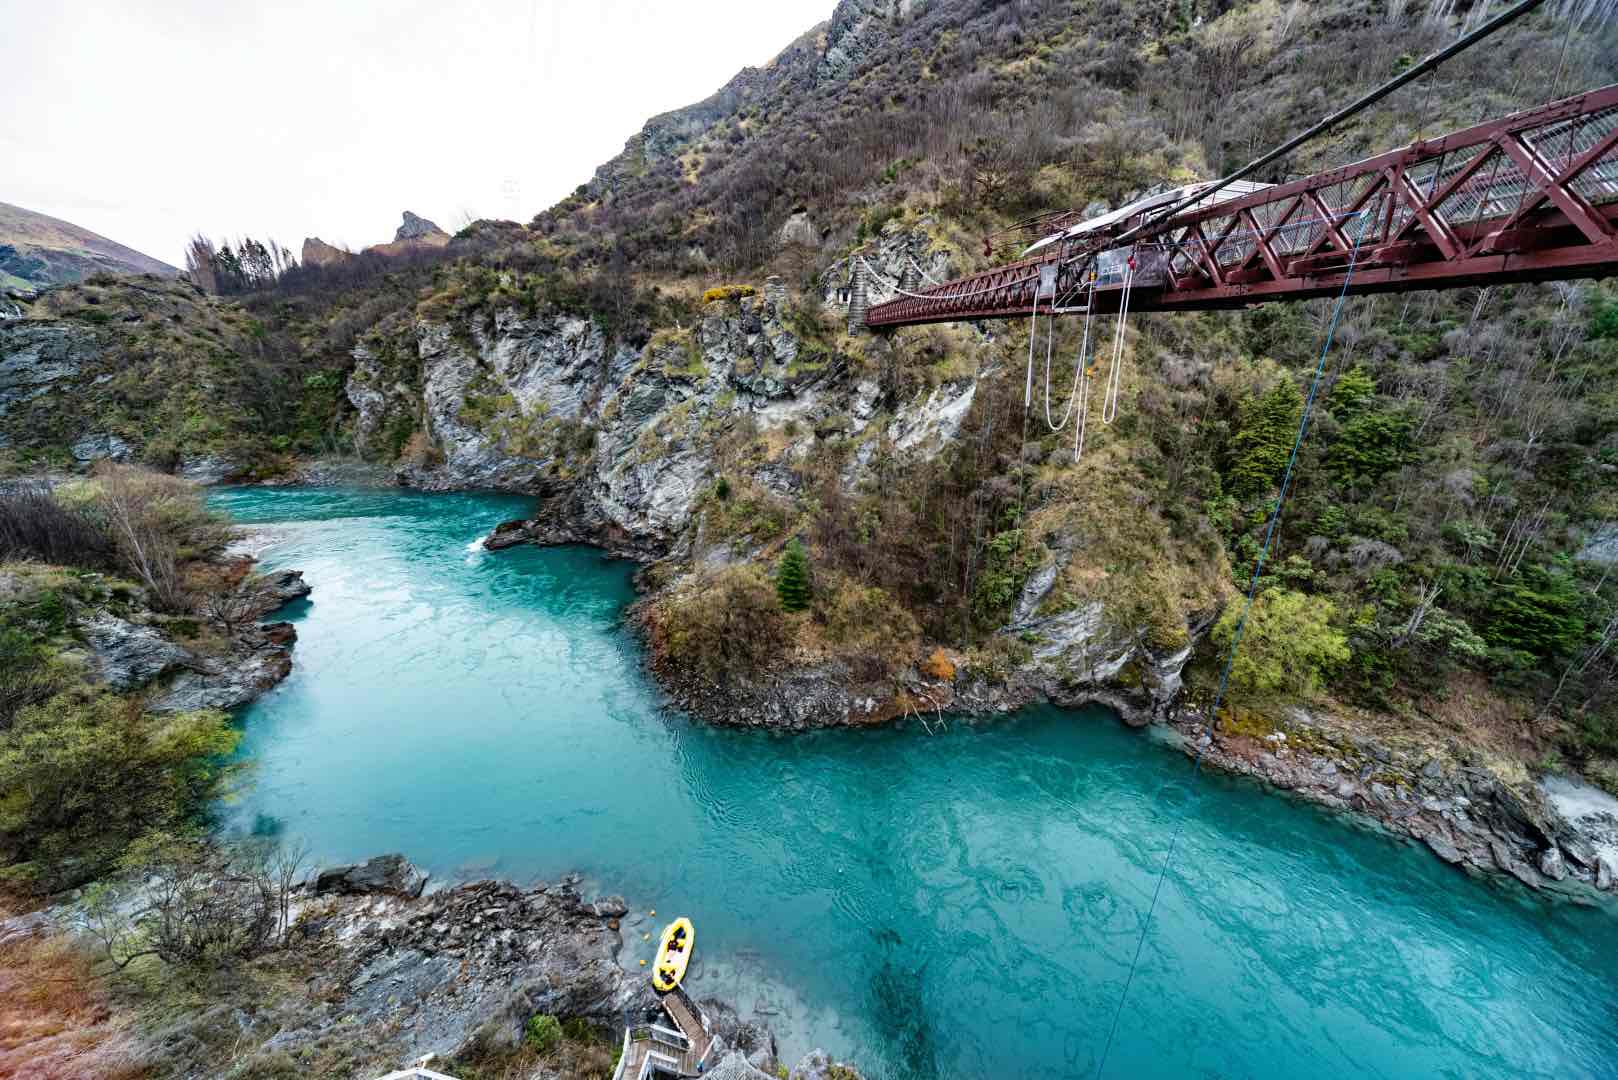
1529 197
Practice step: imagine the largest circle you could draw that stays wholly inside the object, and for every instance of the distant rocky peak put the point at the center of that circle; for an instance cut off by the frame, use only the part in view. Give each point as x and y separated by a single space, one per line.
417 228
316 252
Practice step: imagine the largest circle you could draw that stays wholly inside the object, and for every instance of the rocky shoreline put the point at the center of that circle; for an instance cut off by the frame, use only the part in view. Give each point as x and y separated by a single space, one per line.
394 971
1465 814
130 650
462 969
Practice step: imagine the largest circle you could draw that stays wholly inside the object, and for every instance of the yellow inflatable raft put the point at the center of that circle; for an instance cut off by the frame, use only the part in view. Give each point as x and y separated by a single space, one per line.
673 955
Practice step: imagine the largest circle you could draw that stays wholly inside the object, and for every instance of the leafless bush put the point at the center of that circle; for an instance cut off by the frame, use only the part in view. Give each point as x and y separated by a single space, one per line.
1372 555
34 525
229 610
157 522
197 905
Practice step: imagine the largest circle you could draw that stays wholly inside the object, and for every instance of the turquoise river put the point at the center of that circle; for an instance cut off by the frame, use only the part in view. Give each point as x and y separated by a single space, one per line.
961 905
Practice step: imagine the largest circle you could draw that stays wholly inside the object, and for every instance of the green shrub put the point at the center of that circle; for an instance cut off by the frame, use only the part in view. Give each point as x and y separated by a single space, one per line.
728 625
1288 642
1353 392
1007 562
1370 446
543 1032
84 776
1540 612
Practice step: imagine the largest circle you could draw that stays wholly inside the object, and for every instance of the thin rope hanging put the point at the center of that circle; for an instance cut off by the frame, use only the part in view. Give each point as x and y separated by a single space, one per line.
1084 377
1109 402
1236 636
1078 370
1033 335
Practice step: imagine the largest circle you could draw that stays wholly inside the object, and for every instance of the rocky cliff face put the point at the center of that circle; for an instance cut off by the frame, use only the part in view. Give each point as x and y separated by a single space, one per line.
38 357
628 446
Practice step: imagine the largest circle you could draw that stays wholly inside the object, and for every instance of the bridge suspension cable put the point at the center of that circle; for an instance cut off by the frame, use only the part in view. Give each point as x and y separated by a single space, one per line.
1236 634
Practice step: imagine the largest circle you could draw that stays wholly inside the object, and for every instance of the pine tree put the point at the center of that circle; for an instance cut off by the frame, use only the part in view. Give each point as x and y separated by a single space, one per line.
792 578
1261 447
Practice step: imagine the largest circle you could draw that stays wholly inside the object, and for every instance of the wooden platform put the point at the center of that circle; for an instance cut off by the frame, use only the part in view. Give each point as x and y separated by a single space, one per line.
653 1050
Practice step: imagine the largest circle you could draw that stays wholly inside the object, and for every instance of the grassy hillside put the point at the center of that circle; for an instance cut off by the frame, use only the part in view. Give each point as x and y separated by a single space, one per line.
36 250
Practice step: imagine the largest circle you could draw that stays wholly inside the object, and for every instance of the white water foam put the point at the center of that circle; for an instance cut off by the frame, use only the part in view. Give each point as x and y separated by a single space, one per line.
1590 810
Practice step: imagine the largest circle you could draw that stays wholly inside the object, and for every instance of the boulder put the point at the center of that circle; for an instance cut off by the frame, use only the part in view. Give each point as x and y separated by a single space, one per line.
1443 848
101 446
207 469
1551 864
610 907
127 655
1606 871
749 1041
281 588
390 874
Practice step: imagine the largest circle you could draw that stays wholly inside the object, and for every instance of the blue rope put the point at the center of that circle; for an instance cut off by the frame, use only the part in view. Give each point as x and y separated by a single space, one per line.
1241 624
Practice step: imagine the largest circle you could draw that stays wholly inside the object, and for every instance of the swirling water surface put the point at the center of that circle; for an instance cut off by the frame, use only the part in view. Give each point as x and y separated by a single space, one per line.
965 904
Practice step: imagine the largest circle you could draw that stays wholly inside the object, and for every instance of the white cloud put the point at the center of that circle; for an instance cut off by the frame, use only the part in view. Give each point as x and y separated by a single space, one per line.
147 120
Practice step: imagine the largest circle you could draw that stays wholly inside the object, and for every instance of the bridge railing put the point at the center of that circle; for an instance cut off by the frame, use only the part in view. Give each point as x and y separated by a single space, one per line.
1530 196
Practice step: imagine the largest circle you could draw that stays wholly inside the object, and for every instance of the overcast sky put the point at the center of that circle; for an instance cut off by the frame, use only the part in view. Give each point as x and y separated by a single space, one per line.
148 120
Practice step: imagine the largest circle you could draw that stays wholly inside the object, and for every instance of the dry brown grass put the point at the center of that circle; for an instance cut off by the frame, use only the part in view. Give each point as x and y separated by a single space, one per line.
56 1020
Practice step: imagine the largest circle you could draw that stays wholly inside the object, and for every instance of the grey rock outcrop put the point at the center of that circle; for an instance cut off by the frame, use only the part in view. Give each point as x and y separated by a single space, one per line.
818 1065
857 26
259 658
735 1066
414 227
127 655
1602 547
464 967
207 469
101 447
393 875
799 228
36 356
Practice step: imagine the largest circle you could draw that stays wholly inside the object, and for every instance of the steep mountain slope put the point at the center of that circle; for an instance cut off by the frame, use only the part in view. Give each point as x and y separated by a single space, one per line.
36 250
663 358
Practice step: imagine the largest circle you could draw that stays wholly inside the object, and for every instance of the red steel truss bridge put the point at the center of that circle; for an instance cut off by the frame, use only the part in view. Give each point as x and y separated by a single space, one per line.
1530 197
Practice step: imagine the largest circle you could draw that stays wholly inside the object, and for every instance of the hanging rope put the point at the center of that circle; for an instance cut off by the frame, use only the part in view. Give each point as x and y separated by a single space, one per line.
1084 376
1078 370
1109 402
1236 637
925 276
